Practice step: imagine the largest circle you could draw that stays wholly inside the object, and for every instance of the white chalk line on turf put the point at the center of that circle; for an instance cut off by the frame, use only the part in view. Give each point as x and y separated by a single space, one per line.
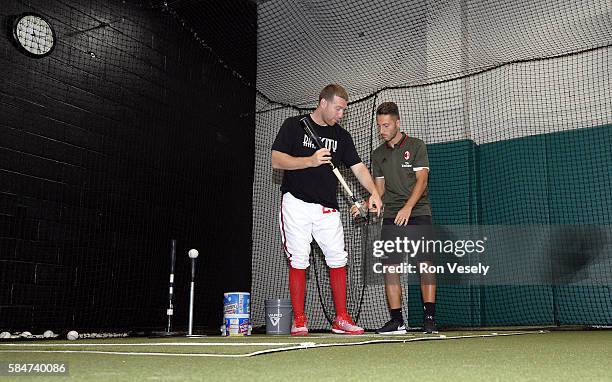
304 345
219 343
157 353
16 344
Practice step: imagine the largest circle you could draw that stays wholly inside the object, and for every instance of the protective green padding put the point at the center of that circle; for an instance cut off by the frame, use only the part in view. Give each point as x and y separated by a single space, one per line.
553 179
579 164
580 175
453 182
513 182
517 305
514 190
452 187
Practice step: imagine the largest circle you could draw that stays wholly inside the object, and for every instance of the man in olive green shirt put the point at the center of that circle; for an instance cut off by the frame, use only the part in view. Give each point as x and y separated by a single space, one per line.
400 167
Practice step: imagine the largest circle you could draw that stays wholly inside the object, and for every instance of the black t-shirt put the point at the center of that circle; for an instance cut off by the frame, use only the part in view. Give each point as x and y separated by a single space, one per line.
314 184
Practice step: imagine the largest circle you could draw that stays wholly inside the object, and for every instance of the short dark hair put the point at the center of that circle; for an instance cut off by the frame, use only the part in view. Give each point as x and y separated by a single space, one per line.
332 90
388 108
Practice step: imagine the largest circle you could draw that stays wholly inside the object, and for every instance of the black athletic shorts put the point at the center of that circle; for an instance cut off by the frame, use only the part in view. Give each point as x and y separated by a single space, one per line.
407 239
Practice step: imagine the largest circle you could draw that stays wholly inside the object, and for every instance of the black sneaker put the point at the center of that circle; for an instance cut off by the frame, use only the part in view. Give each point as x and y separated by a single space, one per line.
429 325
394 326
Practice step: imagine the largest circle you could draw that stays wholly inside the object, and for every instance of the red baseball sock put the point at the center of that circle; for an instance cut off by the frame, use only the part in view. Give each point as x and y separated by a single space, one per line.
337 280
297 288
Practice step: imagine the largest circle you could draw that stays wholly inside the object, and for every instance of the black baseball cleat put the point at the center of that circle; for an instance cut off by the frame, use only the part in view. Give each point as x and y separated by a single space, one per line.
429 325
394 326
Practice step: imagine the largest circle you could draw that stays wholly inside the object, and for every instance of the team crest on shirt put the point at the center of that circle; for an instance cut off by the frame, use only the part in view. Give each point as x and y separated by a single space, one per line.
406 157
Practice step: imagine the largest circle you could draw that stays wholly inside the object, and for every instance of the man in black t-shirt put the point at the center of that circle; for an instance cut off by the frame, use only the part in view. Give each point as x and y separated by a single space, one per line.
309 207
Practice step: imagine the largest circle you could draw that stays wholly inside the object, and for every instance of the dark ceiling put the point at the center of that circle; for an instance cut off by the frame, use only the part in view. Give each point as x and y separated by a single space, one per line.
229 28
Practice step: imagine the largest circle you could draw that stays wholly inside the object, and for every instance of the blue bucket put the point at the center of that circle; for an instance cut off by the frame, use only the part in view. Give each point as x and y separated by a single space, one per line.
236 303
236 325
236 314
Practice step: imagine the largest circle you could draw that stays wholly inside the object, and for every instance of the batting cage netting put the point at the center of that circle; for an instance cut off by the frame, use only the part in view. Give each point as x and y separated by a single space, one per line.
514 103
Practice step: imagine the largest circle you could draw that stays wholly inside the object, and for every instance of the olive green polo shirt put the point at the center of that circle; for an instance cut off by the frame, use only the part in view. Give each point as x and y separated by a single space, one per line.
398 166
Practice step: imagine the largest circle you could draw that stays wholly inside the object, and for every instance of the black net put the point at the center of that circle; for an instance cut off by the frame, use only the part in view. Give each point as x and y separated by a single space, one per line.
110 147
514 103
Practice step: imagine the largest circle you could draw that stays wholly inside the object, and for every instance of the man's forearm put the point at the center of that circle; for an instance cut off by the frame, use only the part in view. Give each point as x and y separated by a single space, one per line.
283 161
380 186
364 177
